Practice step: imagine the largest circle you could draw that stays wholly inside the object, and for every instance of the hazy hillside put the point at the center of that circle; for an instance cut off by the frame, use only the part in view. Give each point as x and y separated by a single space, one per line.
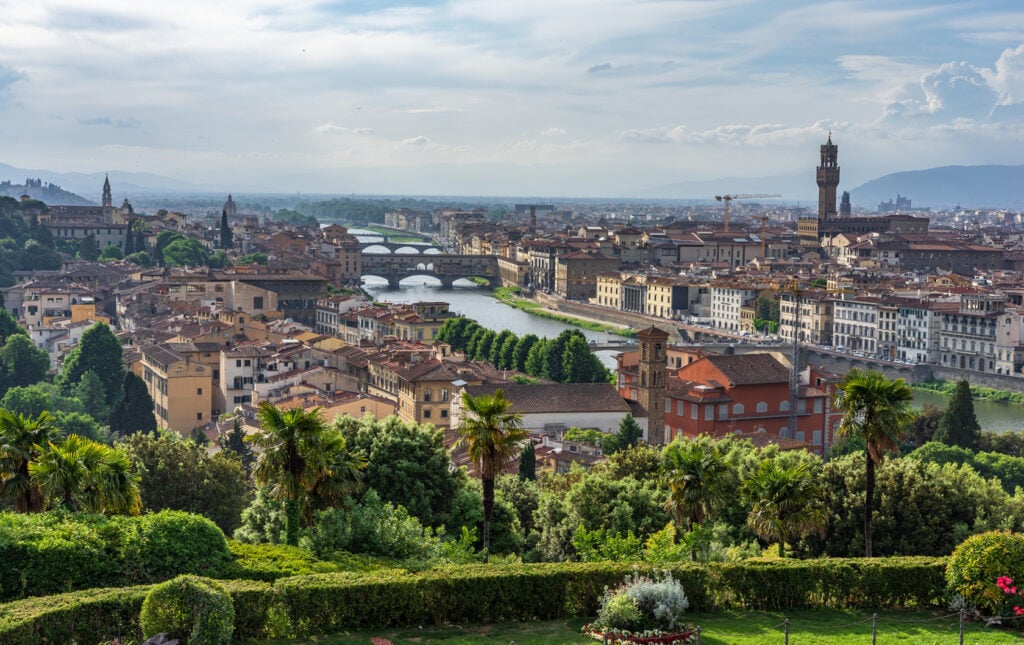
43 191
793 188
124 184
947 186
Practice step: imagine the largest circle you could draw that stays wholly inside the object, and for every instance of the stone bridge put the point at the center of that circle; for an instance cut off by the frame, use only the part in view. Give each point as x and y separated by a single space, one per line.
446 268
393 247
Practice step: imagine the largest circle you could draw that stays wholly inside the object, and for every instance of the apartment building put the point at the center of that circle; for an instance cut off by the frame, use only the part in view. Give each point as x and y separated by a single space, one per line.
182 388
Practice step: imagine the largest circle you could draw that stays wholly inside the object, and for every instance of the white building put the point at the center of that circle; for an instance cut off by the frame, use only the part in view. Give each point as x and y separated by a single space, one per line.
856 325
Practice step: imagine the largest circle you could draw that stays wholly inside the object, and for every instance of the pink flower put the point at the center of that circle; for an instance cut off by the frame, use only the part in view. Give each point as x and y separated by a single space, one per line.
1018 610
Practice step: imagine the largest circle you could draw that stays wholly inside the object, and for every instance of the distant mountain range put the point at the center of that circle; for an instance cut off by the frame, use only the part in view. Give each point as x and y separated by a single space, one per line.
947 186
44 192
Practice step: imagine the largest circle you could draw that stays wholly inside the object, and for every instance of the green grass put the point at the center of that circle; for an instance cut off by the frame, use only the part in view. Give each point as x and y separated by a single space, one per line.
392 235
510 297
977 392
807 627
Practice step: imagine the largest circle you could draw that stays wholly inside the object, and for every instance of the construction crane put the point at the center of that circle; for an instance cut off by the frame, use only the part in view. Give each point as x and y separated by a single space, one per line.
728 199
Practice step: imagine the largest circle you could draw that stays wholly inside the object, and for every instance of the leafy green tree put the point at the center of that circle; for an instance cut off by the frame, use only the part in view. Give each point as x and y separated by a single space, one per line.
185 252
878 411
535 359
528 462
162 241
254 258
580 365
474 341
491 434
307 465
82 475
696 474
785 503
23 363
22 440
89 391
111 252
507 356
140 258
959 426
922 429
36 257
180 475
79 423
88 249
766 307
263 520
627 437
554 360
407 464
32 400
219 259
100 352
497 347
522 350
9 326
1007 443
134 412
483 346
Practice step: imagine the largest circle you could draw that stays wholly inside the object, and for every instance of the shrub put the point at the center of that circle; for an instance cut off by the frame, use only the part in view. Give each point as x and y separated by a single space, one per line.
169 543
189 607
373 527
269 562
659 601
979 561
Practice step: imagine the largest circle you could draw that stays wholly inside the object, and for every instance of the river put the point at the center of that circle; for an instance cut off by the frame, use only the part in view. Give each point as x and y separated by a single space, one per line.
474 301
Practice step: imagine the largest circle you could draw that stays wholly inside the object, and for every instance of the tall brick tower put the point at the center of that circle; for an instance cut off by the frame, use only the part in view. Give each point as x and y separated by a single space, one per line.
828 180
650 392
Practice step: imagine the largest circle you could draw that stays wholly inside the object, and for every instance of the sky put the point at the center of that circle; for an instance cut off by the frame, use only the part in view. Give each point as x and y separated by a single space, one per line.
507 97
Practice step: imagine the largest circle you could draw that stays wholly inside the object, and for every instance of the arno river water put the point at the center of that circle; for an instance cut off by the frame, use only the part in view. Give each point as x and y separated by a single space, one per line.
469 299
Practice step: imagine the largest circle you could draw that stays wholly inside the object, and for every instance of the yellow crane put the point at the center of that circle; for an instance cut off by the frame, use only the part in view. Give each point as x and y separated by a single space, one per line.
727 199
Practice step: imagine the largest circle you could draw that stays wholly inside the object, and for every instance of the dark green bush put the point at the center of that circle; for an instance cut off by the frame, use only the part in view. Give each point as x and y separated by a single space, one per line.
981 559
189 607
90 616
45 553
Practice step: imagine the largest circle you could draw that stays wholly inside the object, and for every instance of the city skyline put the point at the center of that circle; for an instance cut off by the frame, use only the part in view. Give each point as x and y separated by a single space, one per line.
474 97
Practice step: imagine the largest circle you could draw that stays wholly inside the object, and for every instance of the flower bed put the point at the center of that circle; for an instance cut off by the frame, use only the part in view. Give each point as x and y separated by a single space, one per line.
651 636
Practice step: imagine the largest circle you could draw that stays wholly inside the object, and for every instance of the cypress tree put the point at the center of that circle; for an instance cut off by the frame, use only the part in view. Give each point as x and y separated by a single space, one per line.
959 426
528 462
134 412
227 238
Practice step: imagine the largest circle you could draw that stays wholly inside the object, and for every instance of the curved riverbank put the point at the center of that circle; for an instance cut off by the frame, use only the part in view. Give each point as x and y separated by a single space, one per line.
511 297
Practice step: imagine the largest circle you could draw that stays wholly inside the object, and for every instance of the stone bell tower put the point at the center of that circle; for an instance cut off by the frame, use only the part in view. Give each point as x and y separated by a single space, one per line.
828 180
650 392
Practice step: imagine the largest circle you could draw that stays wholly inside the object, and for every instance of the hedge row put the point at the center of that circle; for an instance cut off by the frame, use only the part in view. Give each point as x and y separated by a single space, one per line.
46 553
326 603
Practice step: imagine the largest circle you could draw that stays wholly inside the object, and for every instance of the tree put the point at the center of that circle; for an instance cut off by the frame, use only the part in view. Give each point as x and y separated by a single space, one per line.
89 391
507 355
959 426
554 360
491 434
522 351
21 441
528 462
234 441
162 241
497 347
9 326
100 352
82 475
876 410
23 362
180 475
134 412
538 351
185 252
88 249
305 463
407 464
695 473
579 364
483 346
111 252
785 502
32 400
627 437
924 426
227 238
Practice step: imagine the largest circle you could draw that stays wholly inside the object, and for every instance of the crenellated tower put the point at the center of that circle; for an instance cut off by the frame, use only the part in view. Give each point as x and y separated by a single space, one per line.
828 180
652 372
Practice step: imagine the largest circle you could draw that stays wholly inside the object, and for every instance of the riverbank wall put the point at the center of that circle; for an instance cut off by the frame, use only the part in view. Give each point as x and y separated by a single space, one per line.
603 314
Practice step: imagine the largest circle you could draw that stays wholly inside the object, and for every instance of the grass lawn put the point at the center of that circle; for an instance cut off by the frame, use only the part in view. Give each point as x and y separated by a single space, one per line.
807 627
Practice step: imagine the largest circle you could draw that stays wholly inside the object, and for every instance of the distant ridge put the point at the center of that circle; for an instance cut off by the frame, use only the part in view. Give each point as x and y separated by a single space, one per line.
50 194
946 187
124 184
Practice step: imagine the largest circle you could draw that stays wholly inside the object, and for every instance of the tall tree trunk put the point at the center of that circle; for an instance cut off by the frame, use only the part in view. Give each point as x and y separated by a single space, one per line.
488 509
291 521
869 499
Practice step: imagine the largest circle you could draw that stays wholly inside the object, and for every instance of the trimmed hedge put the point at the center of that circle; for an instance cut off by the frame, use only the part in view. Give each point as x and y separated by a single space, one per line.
326 603
189 608
45 553
268 562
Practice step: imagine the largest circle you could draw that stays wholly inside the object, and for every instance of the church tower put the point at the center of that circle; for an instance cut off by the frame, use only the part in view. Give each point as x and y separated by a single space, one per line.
828 180
108 201
650 392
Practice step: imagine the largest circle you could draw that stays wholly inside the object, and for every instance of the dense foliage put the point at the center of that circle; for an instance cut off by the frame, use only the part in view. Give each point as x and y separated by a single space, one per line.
979 562
566 358
189 609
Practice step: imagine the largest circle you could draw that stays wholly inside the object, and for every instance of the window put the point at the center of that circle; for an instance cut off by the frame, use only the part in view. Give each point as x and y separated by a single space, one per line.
257 302
199 391
693 410
426 414
783 406
679 408
238 363
762 407
737 409
199 416
444 414
818 405
709 412
248 363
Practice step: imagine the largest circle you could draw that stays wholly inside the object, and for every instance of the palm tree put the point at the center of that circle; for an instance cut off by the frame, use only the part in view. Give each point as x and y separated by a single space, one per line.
305 462
21 441
83 475
696 474
785 502
492 435
876 410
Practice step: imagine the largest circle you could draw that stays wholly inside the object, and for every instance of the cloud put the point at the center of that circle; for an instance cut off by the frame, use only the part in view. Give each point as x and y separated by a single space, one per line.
603 67
416 141
735 135
110 122
332 128
552 132
1008 77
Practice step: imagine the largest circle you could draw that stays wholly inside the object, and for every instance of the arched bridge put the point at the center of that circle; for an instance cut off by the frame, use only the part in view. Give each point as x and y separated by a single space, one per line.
418 247
446 268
